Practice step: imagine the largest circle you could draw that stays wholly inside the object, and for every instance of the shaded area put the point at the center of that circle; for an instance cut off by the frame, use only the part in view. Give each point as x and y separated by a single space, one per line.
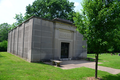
73 64
1 55
111 77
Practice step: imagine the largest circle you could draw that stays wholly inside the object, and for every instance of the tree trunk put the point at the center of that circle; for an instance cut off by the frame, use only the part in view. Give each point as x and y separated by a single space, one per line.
96 65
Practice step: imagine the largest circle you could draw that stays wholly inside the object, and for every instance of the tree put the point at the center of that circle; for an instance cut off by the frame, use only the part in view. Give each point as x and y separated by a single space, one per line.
4 29
98 22
19 19
3 45
51 9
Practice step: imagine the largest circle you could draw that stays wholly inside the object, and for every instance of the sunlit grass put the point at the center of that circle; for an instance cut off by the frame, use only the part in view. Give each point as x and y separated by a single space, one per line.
15 68
108 60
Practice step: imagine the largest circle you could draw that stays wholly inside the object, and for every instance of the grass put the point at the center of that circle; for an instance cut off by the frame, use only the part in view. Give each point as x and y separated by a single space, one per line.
108 60
15 68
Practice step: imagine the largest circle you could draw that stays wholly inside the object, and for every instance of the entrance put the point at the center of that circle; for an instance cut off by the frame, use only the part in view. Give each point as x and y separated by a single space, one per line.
64 50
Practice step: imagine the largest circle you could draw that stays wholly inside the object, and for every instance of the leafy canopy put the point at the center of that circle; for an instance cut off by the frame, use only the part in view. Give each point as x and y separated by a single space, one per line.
51 9
98 22
4 29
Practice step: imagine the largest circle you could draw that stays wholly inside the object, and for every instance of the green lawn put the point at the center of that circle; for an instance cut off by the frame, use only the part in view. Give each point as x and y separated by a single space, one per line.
108 60
15 68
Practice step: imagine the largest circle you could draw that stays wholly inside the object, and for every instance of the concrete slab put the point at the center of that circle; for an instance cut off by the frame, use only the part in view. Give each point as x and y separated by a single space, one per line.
83 63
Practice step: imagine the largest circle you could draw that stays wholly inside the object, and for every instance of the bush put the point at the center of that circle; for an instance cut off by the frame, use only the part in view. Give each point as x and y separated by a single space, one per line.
3 45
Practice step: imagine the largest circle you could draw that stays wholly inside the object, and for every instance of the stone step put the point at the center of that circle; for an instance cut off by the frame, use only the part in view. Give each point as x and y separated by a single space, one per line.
65 59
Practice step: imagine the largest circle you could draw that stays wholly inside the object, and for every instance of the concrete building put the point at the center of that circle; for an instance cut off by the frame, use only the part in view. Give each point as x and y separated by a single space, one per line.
39 39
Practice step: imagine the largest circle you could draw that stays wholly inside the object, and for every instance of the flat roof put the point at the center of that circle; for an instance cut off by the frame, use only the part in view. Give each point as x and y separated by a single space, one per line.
53 20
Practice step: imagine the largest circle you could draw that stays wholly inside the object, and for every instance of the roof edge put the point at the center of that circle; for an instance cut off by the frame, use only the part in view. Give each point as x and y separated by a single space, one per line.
53 20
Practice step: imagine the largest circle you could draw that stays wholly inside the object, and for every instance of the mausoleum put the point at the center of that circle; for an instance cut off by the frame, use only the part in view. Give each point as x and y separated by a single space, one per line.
38 39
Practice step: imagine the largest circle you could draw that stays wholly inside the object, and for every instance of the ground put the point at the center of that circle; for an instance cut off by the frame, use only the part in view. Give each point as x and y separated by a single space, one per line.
15 68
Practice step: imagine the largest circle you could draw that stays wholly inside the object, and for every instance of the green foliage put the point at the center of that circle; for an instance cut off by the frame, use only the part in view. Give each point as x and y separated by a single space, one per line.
3 45
51 9
98 22
4 29
19 19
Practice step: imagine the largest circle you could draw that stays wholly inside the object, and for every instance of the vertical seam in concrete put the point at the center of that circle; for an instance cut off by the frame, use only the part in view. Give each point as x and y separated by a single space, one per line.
73 43
11 42
14 41
41 40
82 44
32 37
23 40
17 39
8 48
53 38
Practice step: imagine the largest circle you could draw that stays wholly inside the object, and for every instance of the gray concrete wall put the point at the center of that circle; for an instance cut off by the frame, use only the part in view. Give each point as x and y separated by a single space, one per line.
42 40
9 41
15 40
79 43
39 39
12 34
27 39
64 33
20 39
67 33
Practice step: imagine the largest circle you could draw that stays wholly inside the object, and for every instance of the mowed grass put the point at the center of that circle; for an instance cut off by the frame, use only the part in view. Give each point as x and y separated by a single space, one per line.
108 60
15 68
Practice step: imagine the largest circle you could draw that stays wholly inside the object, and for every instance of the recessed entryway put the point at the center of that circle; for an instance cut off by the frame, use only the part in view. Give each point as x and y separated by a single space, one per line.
64 50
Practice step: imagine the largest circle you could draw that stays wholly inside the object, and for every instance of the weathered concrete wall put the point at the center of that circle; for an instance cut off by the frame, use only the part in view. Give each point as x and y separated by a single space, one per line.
67 33
9 41
79 43
47 40
20 39
15 40
12 41
42 40
27 39
38 39
78 46
64 33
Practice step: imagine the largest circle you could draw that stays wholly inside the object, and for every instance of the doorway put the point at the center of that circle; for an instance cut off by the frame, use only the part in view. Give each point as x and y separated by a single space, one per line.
64 50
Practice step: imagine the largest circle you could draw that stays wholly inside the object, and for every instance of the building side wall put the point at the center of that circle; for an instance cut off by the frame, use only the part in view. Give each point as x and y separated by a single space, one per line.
15 41
42 40
27 39
19 40
12 41
79 43
9 41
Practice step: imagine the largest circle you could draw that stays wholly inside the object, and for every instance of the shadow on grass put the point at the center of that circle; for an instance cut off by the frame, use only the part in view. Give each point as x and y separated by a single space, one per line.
40 63
111 77
1 56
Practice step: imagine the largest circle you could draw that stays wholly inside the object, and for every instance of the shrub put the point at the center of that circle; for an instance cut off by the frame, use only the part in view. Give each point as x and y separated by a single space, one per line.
3 45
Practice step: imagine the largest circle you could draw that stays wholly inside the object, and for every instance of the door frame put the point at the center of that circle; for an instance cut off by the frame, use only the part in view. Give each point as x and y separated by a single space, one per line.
71 50
68 49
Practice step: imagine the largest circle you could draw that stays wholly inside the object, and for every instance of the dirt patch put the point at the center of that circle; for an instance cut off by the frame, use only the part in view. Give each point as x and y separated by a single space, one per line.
93 78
